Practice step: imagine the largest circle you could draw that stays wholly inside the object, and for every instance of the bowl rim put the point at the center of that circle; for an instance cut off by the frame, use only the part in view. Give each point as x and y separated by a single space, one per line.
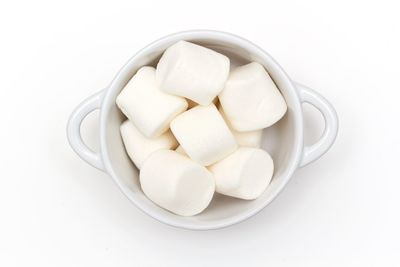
221 36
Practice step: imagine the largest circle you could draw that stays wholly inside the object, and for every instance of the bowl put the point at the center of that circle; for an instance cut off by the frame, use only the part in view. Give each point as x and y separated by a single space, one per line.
284 140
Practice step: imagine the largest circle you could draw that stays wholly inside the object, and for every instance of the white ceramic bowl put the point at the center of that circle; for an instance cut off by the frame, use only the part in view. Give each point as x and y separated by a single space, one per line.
284 140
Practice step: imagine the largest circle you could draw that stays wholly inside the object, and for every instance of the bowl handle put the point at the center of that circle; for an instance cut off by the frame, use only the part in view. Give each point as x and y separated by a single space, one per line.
315 151
74 130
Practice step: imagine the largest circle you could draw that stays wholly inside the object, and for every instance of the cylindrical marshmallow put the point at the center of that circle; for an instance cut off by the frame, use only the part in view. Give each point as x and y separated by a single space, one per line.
139 147
192 71
250 99
150 109
203 134
244 174
176 183
249 139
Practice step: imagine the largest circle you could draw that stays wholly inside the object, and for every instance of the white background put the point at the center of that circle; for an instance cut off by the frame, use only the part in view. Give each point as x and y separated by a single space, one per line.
55 210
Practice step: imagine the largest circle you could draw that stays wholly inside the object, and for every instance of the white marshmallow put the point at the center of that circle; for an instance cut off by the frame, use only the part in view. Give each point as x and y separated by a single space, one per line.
249 139
244 174
192 71
139 147
250 99
177 183
203 134
150 109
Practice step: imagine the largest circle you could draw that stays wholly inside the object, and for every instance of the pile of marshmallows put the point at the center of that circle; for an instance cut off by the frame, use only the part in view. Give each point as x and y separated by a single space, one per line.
217 149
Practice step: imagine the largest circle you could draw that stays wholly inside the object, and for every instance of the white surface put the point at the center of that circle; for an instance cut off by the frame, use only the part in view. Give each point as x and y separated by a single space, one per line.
192 71
57 210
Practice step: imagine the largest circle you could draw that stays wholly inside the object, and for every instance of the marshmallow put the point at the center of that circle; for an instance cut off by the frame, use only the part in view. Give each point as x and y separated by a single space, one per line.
139 147
192 71
176 183
150 109
250 99
249 139
203 134
244 174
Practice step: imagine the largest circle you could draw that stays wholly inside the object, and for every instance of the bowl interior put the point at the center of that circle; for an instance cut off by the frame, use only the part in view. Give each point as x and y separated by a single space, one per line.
279 140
